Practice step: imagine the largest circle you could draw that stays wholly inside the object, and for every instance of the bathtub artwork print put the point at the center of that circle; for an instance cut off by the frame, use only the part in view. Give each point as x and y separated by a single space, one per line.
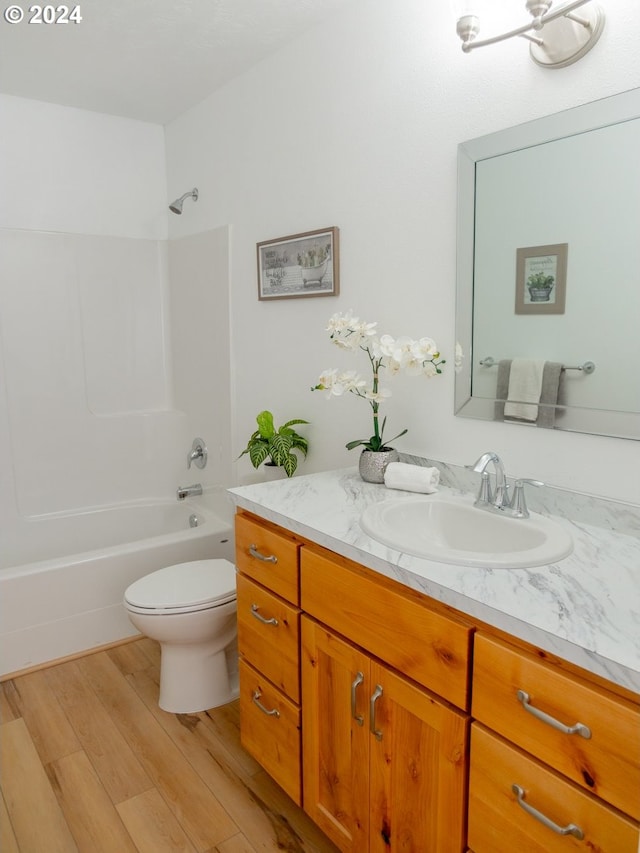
299 265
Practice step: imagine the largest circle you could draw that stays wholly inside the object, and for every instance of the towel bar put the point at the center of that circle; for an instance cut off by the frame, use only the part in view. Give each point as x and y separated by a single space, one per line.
587 367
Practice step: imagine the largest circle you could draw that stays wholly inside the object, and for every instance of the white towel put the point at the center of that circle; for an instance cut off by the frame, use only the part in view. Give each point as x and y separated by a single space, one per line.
411 478
525 385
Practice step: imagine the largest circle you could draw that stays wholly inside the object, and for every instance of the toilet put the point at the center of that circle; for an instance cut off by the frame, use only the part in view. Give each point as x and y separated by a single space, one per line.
190 609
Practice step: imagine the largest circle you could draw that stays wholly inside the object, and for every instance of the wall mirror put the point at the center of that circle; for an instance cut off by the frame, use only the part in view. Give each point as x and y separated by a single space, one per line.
555 199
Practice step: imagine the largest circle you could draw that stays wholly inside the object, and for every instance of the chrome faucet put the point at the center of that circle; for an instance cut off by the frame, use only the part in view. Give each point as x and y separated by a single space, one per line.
188 491
500 498
500 501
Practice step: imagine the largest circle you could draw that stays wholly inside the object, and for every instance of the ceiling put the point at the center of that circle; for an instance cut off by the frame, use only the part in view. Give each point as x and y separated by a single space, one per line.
147 59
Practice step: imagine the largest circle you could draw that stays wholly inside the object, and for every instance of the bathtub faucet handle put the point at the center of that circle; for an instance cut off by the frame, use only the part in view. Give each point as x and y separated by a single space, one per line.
197 454
188 491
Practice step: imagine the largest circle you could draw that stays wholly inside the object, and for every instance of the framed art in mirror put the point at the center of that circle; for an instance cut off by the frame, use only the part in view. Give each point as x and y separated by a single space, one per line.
541 279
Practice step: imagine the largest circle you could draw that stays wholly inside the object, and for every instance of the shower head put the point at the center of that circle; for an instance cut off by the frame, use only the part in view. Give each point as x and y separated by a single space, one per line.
176 206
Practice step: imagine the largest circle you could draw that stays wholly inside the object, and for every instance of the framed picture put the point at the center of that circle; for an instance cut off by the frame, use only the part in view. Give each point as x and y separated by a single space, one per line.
541 279
304 264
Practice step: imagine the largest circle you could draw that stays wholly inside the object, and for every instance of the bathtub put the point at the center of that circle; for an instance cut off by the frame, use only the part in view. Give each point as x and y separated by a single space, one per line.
62 576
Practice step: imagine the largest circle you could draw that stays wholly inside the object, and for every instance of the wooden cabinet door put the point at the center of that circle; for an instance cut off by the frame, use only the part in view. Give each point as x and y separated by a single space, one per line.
418 758
335 739
384 762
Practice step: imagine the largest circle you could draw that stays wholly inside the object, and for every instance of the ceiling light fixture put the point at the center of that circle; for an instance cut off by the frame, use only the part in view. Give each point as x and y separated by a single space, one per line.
558 37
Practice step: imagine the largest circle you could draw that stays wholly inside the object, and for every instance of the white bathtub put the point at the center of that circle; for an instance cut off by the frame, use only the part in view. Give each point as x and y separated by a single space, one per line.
62 577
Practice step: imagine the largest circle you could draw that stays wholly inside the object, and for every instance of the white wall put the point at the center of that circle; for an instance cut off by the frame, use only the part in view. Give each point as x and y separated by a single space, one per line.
357 126
79 172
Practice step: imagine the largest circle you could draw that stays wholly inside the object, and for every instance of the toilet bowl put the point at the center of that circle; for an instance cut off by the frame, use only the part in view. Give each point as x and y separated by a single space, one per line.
190 609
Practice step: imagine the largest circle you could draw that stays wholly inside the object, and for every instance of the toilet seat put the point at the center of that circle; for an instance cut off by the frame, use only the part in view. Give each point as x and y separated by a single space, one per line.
183 588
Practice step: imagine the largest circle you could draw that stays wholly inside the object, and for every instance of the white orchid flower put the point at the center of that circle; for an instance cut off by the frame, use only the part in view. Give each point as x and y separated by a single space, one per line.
349 343
386 353
351 381
384 346
379 396
424 348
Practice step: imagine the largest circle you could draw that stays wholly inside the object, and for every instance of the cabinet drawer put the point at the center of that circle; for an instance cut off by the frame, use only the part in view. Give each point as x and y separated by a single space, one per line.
270 730
607 763
498 823
271 647
424 645
269 557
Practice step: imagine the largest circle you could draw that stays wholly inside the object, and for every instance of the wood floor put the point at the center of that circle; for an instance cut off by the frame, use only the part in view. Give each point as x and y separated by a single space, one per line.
90 763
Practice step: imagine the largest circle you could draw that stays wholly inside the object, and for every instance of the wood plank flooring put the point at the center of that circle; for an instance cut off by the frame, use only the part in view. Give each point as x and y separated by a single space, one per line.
89 763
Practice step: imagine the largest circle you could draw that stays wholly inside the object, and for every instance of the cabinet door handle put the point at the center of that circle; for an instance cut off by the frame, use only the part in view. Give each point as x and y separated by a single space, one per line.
569 829
377 693
577 729
255 612
270 558
256 701
357 681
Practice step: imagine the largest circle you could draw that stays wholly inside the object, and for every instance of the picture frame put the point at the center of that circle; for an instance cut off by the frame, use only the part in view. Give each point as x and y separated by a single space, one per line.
541 279
300 265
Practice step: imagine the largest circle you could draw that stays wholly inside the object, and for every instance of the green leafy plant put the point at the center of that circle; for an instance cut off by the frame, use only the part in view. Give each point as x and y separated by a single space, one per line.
314 256
276 446
540 279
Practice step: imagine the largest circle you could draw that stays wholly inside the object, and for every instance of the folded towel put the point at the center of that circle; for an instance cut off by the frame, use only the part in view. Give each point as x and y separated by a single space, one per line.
525 386
502 388
411 478
549 394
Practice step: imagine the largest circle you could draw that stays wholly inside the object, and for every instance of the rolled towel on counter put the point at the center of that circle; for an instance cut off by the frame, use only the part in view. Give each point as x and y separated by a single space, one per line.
411 478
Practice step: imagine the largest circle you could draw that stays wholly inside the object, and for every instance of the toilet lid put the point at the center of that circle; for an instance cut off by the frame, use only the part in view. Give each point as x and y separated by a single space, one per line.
191 586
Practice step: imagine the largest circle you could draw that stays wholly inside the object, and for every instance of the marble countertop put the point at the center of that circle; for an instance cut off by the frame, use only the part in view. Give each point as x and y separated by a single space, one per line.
585 608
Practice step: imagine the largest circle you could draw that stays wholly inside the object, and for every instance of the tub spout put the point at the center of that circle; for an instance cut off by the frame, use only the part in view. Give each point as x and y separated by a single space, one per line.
188 491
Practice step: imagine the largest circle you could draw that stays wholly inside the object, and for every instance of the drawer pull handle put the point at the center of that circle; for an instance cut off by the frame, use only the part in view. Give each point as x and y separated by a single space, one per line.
260 617
569 829
578 729
377 693
271 558
356 683
256 701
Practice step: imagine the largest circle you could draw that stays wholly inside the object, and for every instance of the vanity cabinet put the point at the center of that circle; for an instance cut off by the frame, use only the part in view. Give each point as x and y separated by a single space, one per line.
384 761
553 758
401 724
268 642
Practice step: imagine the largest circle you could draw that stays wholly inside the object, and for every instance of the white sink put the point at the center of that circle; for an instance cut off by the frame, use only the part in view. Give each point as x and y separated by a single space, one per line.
452 530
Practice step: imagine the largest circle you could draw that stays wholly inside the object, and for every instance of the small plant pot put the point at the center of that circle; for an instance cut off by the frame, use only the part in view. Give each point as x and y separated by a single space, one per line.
273 472
372 464
539 294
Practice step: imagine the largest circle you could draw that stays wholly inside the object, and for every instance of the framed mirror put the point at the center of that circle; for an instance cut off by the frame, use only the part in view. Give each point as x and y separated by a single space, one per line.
548 271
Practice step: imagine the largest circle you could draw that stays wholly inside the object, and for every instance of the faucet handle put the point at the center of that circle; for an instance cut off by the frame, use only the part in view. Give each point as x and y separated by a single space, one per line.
197 454
518 503
485 495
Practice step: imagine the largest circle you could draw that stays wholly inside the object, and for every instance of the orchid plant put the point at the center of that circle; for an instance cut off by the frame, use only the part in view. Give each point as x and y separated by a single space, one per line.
415 357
